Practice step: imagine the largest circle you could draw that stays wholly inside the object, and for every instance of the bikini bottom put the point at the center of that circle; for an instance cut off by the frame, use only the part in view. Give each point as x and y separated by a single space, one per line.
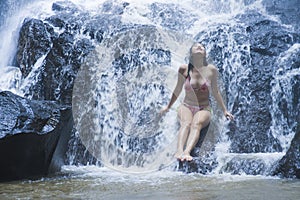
195 109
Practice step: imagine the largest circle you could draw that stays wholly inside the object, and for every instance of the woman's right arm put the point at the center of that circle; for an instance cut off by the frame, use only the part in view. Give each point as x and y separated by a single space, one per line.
178 88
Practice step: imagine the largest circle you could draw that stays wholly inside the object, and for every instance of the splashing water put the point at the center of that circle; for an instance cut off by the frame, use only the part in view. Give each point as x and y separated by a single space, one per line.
121 125
286 78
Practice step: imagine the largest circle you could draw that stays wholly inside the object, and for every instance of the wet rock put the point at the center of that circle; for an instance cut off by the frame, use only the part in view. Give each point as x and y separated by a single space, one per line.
102 26
289 165
266 44
77 153
139 57
197 165
66 6
115 8
203 161
59 69
249 166
33 137
34 42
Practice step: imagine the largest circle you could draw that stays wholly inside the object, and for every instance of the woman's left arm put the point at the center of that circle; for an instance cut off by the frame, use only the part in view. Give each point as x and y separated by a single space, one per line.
216 93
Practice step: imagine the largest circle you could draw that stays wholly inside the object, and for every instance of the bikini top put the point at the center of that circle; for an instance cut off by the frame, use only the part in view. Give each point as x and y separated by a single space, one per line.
202 88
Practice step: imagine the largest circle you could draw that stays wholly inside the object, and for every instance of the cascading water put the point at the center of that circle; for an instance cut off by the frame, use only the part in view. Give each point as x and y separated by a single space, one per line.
130 74
286 80
14 13
122 126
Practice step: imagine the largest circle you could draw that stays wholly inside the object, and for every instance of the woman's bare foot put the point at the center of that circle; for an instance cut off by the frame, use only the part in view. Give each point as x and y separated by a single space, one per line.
187 157
179 155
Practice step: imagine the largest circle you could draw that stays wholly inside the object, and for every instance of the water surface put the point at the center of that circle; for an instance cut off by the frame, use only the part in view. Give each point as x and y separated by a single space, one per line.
91 182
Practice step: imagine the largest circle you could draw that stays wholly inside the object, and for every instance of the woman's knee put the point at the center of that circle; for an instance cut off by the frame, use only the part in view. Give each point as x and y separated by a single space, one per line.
201 120
186 124
199 124
196 125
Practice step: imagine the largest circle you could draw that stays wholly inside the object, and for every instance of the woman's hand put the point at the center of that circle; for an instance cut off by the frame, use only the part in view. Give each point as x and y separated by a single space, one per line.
228 115
164 110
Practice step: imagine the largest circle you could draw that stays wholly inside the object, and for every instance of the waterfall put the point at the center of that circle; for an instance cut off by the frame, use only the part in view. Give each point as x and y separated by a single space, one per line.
285 104
122 58
13 14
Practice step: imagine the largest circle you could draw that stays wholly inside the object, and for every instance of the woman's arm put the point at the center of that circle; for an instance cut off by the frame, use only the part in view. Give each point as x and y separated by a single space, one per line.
178 88
216 93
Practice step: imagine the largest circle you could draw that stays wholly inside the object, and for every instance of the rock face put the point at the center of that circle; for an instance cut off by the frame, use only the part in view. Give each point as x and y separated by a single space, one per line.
63 57
30 49
289 165
33 136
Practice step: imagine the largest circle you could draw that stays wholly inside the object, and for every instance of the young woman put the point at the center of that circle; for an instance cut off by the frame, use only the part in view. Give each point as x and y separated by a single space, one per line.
198 78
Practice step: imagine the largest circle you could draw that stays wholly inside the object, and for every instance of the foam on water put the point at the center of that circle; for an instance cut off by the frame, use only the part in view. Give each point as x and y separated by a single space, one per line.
109 176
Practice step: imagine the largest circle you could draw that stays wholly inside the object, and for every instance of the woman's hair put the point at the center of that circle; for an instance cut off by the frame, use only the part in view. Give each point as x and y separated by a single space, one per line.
190 65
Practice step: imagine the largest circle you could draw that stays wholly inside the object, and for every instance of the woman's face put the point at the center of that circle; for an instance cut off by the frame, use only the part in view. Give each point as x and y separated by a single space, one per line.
198 49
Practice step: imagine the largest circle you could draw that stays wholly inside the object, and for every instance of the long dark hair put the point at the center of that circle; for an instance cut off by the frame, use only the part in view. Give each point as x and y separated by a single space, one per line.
190 65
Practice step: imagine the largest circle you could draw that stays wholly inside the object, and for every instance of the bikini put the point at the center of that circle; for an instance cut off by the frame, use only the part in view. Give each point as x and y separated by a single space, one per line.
203 88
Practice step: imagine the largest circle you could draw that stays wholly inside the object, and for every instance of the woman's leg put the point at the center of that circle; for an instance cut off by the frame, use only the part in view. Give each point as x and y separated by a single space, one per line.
200 120
185 116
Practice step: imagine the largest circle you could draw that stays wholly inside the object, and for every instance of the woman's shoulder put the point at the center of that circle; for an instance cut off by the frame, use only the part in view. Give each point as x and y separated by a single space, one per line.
183 68
212 68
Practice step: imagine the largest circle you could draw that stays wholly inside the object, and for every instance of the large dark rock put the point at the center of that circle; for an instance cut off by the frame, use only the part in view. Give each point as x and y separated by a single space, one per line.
33 136
34 42
289 165
253 134
58 71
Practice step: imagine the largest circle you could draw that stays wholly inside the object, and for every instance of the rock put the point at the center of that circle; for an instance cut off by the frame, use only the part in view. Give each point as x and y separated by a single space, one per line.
249 166
289 165
34 42
197 165
203 162
66 6
58 71
33 136
253 134
114 8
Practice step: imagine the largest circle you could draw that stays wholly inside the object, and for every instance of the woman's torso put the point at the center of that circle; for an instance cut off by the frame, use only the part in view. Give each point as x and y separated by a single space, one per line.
197 86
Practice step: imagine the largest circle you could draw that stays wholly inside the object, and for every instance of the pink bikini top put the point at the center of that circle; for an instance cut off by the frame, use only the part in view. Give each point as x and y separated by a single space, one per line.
189 87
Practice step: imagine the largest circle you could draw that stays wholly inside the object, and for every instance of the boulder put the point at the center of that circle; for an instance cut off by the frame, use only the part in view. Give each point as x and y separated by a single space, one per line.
253 134
289 165
33 136
34 42
203 161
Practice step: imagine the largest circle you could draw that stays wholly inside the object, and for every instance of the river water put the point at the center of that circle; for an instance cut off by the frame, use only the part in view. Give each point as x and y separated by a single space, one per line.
91 182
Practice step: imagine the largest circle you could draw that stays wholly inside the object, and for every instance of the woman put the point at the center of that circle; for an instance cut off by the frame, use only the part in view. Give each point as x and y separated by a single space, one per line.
198 79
